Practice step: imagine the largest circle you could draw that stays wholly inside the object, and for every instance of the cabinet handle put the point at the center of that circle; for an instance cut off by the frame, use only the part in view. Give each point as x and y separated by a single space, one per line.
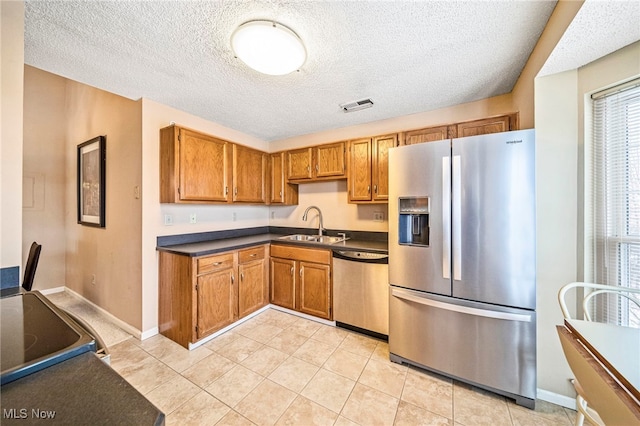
242 276
317 167
301 271
217 263
368 189
254 255
292 271
226 190
235 191
232 279
375 188
281 193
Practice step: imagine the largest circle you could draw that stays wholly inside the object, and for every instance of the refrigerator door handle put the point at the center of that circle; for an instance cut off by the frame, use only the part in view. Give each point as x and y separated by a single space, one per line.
446 217
409 296
456 219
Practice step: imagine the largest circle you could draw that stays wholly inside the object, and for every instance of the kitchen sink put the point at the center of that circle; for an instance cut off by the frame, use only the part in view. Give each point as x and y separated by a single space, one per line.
321 239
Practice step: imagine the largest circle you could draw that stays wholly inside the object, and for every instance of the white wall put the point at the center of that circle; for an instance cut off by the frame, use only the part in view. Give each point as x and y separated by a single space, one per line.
11 86
556 108
562 138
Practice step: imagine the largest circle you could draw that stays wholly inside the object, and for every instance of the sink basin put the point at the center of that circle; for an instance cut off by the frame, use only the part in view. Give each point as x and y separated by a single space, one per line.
321 239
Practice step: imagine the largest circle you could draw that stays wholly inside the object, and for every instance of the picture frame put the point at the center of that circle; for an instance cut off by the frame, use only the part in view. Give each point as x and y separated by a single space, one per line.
92 160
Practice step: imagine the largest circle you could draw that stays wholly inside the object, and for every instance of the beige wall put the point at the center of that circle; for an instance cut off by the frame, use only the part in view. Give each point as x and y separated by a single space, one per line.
43 210
112 254
523 91
11 84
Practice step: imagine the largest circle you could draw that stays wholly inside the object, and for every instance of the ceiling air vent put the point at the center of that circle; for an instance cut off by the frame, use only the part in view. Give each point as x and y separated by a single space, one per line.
356 105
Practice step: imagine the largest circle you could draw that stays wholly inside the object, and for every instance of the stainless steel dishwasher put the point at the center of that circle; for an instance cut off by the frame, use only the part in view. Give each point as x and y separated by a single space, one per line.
361 291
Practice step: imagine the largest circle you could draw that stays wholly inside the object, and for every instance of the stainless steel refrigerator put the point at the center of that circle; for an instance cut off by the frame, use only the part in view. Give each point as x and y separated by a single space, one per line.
462 260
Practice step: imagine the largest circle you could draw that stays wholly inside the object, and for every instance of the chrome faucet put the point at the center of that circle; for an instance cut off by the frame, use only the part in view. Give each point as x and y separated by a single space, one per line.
304 217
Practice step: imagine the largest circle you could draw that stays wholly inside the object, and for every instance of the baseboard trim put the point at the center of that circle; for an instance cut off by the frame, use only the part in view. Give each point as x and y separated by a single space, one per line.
117 321
51 290
300 314
556 398
149 333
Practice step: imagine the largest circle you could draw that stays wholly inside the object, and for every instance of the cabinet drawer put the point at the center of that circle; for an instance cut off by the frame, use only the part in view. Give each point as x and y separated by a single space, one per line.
301 253
215 263
250 254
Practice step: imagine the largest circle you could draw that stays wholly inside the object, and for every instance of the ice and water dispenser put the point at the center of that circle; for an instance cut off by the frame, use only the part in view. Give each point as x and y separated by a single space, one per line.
414 221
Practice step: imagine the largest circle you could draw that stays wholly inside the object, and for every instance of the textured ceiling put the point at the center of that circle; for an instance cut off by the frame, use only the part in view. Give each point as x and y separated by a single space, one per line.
599 28
408 57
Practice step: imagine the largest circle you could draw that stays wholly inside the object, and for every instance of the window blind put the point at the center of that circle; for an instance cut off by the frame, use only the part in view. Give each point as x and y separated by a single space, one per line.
616 200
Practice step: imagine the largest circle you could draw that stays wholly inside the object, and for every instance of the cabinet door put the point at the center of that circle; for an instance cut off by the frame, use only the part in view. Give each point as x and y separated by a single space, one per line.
502 123
299 164
249 173
217 305
429 134
359 179
204 167
314 290
251 287
277 178
380 166
330 160
283 282
281 192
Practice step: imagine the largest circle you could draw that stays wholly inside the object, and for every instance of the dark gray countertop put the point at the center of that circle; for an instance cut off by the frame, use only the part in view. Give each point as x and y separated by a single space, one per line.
81 390
204 248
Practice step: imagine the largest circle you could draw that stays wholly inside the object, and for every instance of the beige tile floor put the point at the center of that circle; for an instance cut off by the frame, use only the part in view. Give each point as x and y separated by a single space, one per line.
280 369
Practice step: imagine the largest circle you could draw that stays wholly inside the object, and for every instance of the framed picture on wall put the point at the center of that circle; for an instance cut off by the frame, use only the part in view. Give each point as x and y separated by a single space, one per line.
92 159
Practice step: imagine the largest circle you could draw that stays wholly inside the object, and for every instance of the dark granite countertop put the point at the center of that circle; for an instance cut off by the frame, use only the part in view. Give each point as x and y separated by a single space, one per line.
211 244
80 390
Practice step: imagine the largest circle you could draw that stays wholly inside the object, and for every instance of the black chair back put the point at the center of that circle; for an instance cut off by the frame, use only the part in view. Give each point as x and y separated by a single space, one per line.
32 264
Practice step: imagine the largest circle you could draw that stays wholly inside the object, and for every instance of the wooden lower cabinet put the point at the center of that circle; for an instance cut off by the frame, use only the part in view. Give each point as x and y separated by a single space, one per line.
301 280
216 302
201 295
283 282
253 285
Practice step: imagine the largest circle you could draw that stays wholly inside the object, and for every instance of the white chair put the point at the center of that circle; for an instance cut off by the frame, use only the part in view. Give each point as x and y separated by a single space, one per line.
592 290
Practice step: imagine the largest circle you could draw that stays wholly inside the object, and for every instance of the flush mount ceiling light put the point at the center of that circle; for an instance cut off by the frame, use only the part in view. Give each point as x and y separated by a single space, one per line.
268 47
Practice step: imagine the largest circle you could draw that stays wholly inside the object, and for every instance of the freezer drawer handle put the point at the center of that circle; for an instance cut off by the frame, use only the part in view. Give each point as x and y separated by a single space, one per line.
403 294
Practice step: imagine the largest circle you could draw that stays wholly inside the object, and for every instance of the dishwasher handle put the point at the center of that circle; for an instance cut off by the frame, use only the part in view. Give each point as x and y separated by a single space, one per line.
361 256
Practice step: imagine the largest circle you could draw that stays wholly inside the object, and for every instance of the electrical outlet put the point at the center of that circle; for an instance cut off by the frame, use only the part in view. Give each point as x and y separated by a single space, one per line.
273 214
378 216
168 220
234 216
192 218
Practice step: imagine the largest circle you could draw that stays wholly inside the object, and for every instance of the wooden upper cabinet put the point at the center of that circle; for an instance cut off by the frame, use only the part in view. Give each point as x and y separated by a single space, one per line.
299 163
193 167
380 165
280 192
497 124
501 123
330 160
359 179
249 175
322 162
368 178
428 134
